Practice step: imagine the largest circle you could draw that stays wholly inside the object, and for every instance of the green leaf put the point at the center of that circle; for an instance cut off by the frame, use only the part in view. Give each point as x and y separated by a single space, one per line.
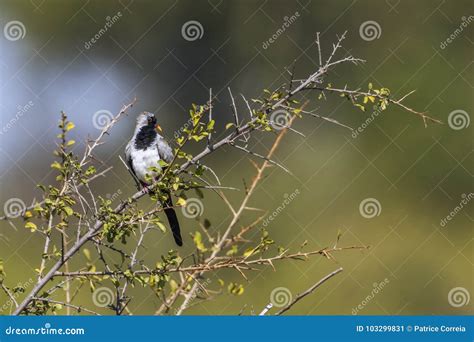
68 211
249 252
2 269
69 126
235 289
161 226
181 202
162 163
198 242
233 250
229 125
31 226
173 285
87 253
210 125
56 166
128 274
90 171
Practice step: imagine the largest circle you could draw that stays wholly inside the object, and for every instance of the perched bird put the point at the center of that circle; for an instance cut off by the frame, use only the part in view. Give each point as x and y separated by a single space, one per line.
146 148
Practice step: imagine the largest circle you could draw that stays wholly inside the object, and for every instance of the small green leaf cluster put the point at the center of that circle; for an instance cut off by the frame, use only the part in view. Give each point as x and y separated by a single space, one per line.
379 98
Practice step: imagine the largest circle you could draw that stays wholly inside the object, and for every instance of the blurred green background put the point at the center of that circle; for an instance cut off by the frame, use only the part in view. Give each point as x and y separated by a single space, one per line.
417 174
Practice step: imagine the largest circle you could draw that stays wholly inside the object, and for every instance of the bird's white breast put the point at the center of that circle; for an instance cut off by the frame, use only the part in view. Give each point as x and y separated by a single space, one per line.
143 160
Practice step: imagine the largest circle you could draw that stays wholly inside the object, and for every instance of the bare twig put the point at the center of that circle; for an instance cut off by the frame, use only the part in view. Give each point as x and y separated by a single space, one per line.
308 291
77 307
9 294
234 109
214 258
209 137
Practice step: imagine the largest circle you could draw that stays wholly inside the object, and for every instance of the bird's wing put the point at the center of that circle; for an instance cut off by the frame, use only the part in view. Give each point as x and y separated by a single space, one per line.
128 150
128 159
164 150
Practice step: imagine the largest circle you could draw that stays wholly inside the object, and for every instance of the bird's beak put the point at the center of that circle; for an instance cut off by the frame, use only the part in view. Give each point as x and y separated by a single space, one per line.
158 128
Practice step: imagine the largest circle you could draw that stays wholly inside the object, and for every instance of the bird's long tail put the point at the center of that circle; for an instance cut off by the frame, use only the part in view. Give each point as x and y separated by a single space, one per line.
173 220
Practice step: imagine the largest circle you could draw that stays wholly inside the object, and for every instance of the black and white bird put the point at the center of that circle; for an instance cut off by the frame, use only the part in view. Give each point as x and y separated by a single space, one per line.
146 148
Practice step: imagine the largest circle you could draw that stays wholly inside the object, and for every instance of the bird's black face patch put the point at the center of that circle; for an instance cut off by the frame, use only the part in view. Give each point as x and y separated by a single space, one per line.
151 121
147 134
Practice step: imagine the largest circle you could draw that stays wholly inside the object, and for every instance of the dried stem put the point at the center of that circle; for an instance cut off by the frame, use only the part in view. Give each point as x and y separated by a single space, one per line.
213 259
308 291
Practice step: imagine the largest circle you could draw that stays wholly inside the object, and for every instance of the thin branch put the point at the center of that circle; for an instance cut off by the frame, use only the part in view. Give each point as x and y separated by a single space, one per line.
214 261
32 206
333 121
248 106
209 137
318 44
77 307
218 263
394 101
262 157
219 245
9 294
234 109
134 176
308 291
266 309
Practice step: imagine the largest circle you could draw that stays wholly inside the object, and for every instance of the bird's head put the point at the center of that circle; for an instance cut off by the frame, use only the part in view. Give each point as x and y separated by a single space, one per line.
147 119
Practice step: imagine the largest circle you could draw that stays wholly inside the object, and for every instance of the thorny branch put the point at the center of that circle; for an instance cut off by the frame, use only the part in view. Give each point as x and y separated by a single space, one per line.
308 291
97 221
